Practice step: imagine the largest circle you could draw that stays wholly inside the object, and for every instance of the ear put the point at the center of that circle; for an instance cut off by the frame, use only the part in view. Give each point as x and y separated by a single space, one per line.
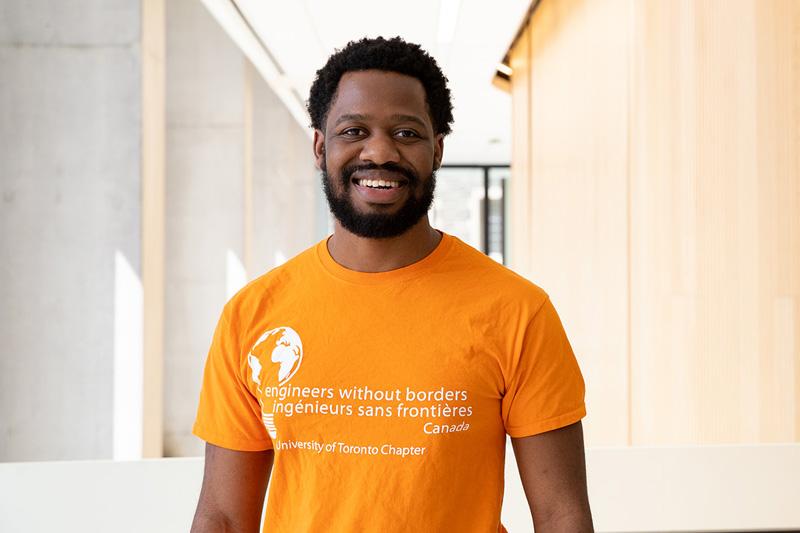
319 149
438 151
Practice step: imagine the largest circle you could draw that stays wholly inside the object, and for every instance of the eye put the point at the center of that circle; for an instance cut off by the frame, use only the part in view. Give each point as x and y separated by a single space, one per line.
352 132
408 134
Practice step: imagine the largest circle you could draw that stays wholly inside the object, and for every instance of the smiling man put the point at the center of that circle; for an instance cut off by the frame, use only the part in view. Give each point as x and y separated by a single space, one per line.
406 356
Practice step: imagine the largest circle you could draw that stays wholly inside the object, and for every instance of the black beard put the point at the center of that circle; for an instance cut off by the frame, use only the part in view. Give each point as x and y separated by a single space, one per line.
379 225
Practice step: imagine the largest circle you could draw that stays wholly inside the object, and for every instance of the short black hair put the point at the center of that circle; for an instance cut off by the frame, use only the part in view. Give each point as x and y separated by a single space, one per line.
394 55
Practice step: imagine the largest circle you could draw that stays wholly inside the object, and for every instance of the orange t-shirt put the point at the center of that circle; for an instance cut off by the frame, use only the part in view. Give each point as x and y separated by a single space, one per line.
387 396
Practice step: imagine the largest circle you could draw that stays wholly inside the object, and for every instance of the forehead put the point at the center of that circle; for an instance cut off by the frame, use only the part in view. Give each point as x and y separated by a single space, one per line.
378 94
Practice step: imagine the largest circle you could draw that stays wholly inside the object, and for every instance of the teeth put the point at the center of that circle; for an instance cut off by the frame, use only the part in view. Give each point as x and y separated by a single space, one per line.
378 183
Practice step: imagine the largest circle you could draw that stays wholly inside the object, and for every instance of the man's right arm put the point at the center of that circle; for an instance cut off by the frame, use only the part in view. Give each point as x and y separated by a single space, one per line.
232 495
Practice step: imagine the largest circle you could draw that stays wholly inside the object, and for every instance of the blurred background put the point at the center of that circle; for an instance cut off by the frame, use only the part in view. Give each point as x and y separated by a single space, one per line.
638 159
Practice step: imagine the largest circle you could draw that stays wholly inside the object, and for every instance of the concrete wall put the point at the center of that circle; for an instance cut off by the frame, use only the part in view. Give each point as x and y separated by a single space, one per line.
205 132
240 193
286 189
70 178
85 209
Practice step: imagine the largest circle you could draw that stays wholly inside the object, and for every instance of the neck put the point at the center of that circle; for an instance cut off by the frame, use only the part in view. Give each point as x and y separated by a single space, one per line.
380 255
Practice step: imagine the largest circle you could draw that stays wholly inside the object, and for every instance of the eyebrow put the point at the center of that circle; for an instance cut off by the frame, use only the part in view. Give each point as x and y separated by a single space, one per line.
397 117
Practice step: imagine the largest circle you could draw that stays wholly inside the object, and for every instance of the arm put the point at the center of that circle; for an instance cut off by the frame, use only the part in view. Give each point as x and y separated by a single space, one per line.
553 472
232 495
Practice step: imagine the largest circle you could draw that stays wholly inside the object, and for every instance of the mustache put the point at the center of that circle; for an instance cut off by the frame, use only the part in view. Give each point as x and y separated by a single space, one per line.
410 175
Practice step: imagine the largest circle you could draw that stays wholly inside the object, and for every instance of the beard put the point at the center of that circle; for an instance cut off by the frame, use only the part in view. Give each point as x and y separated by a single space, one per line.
379 225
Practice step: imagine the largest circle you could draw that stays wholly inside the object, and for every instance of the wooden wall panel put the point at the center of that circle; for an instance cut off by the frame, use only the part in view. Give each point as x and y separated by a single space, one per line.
660 141
778 159
577 245
519 186
714 223
663 210
153 176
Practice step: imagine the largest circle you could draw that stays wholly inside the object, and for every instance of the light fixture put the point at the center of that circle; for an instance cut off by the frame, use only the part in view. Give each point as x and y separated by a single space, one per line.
504 69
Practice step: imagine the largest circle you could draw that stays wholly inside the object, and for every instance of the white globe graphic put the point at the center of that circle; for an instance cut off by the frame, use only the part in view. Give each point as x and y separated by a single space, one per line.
280 345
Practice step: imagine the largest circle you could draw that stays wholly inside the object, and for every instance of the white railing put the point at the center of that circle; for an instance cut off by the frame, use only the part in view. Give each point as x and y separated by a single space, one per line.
702 488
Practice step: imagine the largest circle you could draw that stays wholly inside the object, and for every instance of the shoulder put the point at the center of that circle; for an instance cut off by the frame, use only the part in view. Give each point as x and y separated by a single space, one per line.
495 280
259 292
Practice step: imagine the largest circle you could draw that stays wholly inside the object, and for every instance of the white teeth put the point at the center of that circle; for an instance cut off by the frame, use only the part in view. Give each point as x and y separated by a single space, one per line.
378 183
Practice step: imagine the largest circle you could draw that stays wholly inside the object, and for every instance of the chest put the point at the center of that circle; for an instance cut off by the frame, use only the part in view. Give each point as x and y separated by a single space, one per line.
370 377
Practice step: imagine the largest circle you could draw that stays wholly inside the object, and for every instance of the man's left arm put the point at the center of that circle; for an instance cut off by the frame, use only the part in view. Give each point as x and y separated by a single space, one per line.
552 467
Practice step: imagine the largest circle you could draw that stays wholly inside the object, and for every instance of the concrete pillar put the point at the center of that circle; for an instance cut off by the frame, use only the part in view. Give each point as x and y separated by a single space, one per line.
205 195
241 197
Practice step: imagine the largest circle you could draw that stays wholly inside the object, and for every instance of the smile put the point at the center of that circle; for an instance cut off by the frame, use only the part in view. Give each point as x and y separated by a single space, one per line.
379 184
375 191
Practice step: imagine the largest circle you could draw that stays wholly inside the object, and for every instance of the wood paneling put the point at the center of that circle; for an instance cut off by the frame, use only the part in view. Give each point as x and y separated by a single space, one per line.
576 246
715 229
519 186
661 150
153 141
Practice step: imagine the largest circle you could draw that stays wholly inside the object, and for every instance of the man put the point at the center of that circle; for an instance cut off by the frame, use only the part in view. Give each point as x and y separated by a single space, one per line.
376 374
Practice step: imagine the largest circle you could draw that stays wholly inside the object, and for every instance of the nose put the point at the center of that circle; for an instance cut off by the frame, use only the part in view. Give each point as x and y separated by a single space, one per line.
379 149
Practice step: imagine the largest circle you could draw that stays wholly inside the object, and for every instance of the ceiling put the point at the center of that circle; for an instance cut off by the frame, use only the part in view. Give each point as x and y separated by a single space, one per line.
467 37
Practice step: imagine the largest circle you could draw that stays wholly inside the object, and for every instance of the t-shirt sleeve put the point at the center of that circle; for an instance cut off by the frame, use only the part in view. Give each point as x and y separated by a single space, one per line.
546 390
229 414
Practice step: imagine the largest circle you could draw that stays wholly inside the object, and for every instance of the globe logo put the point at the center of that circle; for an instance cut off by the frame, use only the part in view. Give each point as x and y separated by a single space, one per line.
283 347
280 345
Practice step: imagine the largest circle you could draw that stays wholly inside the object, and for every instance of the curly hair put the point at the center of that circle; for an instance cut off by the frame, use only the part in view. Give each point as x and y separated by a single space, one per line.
394 55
